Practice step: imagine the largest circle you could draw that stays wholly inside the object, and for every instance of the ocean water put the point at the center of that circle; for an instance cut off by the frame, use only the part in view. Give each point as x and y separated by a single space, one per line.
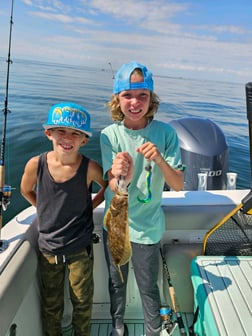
35 86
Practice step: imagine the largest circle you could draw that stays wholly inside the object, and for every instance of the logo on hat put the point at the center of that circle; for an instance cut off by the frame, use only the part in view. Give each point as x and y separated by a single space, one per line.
69 115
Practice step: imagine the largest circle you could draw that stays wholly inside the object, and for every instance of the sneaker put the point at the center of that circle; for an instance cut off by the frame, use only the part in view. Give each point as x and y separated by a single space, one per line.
126 331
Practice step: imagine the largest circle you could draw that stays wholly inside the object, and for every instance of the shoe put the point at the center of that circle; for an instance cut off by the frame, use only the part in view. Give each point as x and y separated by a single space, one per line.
126 331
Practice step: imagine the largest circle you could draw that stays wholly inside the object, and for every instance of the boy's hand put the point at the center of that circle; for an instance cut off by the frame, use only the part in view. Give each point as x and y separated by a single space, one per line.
150 152
123 166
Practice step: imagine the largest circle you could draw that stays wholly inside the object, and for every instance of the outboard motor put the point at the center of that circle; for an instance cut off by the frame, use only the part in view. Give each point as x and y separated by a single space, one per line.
203 149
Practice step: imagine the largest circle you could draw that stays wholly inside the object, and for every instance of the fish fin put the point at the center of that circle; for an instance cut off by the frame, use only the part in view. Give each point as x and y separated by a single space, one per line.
119 271
107 218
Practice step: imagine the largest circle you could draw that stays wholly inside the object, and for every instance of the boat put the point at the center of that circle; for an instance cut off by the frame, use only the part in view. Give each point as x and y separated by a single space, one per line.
206 294
220 285
189 215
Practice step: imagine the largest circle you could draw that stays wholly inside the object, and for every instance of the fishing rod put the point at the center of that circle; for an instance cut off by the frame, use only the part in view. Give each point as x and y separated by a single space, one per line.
112 71
5 191
175 306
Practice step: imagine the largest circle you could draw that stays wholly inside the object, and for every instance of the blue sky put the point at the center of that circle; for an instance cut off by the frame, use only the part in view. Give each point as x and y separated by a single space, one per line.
206 39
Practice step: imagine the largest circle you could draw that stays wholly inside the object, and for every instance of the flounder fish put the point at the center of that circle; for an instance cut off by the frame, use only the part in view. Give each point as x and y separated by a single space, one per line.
116 222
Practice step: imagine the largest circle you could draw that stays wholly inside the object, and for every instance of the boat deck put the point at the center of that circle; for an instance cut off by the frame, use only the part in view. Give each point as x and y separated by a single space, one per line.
135 327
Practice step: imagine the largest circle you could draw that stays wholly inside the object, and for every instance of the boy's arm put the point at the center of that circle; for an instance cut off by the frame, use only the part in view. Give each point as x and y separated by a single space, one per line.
28 181
95 174
173 177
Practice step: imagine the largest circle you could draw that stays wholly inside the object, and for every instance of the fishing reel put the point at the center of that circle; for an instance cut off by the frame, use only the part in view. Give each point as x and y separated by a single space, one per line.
4 202
6 196
168 325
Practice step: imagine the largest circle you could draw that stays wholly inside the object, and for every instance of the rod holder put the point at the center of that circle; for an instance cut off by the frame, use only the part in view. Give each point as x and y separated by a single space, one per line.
248 87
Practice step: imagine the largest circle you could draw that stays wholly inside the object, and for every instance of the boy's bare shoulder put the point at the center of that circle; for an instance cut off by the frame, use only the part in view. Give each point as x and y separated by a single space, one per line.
92 164
33 162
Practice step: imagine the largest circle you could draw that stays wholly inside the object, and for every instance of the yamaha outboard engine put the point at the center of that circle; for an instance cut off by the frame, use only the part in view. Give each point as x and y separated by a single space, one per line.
203 149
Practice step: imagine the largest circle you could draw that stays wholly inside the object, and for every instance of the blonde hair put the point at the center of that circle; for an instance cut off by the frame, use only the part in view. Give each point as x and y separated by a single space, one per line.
115 109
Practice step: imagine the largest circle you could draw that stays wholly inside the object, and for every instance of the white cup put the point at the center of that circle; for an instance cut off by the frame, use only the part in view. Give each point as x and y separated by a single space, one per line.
231 181
202 181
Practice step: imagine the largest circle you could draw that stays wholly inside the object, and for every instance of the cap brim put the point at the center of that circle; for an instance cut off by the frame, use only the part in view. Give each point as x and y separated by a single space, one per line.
46 127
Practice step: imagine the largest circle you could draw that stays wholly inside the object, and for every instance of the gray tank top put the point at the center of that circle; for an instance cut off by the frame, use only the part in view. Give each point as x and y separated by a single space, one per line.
64 211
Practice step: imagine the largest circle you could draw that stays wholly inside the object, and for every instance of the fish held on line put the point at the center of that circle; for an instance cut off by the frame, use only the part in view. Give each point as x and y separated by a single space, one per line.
117 225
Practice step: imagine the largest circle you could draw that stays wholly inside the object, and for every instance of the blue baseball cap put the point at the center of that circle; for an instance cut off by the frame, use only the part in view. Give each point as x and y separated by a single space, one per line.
122 78
69 115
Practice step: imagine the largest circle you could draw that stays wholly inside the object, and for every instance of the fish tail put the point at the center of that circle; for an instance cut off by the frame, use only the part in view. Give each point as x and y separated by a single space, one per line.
120 272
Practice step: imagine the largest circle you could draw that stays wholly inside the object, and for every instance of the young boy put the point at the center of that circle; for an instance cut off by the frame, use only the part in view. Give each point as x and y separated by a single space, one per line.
57 183
146 153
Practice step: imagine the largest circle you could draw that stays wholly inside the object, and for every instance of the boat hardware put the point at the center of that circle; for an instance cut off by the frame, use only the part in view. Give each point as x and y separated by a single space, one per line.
96 238
13 330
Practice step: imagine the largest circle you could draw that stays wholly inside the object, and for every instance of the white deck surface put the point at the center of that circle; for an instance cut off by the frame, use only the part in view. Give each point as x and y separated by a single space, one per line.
223 291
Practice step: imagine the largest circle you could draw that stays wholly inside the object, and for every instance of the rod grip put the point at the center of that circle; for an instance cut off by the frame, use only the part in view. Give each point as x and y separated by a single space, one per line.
173 298
1 177
249 100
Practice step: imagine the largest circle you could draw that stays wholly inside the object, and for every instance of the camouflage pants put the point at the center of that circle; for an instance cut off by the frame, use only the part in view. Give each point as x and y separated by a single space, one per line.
81 286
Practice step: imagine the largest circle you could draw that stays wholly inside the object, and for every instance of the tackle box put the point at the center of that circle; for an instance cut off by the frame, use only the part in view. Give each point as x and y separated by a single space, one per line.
223 292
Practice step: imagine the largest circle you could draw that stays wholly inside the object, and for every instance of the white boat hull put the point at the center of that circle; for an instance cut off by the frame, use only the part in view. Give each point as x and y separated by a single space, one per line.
189 215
